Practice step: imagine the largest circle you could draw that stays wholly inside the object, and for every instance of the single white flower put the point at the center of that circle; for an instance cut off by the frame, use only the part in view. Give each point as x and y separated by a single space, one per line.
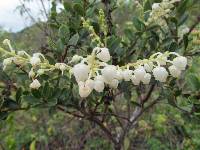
139 72
35 84
103 54
127 74
99 85
81 72
146 79
180 62
84 91
160 74
134 80
109 72
114 83
35 61
174 71
155 5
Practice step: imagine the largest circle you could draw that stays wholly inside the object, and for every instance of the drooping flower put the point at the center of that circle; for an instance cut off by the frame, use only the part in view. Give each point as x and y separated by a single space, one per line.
109 72
103 54
180 62
35 84
174 71
134 80
139 72
146 79
160 74
127 74
81 72
34 61
84 90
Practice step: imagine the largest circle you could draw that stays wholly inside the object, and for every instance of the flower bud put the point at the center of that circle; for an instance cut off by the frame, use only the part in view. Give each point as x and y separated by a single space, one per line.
76 58
61 66
21 53
160 74
134 80
35 84
180 62
31 74
148 67
35 61
7 62
81 72
109 73
18 61
127 74
103 54
174 71
139 72
40 71
162 60
147 78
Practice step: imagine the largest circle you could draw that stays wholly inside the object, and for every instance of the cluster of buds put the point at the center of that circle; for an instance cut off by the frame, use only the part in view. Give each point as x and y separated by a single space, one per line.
161 11
94 72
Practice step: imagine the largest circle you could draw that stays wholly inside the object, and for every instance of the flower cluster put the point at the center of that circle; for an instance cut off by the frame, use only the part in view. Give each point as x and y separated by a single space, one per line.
161 11
94 72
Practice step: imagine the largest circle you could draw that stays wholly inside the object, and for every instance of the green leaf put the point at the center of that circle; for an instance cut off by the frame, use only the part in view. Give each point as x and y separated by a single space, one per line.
31 100
47 91
74 39
52 102
10 104
147 5
64 33
3 115
185 41
67 6
36 93
18 95
138 24
60 46
79 9
194 82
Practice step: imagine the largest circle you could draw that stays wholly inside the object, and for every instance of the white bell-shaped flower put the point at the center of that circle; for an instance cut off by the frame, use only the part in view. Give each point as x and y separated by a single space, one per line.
155 5
147 78
109 73
35 84
84 90
81 72
127 74
99 85
180 62
148 66
103 54
139 72
174 71
134 80
35 61
114 84
160 74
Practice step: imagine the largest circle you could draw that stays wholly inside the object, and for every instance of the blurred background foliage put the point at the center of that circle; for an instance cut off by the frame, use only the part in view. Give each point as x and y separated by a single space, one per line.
162 128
